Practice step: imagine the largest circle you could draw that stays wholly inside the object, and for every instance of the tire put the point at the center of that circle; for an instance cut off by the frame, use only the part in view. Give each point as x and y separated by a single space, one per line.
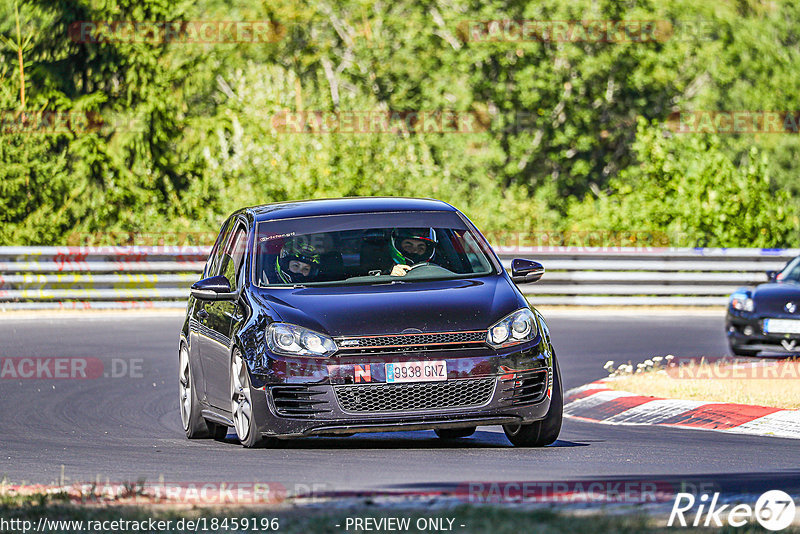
454 433
544 432
194 425
738 351
242 403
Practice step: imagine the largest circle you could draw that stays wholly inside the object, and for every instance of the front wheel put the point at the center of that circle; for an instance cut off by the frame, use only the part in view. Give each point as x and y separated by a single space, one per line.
242 403
544 432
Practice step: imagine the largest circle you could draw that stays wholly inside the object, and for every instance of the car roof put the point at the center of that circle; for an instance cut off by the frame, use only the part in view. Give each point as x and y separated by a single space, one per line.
340 206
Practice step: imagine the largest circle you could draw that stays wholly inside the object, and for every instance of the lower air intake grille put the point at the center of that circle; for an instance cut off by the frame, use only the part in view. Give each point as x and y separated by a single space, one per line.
298 401
415 396
526 387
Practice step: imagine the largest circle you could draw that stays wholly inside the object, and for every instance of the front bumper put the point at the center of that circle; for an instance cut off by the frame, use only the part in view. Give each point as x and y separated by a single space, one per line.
333 419
483 387
747 331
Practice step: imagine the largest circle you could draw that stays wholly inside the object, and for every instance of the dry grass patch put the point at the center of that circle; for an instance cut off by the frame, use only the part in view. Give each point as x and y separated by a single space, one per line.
762 383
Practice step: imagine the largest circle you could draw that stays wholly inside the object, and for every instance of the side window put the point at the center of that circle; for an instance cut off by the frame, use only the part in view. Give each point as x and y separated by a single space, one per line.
212 265
233 256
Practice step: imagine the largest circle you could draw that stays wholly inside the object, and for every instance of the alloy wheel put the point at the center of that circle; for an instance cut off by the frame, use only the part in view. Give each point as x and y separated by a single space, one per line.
185 388
241 403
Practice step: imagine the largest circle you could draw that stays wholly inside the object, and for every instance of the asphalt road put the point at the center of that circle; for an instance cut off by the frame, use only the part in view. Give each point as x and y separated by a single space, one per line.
128 428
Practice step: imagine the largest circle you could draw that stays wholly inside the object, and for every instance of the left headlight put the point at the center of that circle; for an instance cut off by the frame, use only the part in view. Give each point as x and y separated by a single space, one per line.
514 328
742 302
293 340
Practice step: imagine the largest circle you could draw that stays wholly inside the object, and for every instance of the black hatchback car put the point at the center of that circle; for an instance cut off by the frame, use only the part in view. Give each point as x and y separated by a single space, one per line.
334 317
767 317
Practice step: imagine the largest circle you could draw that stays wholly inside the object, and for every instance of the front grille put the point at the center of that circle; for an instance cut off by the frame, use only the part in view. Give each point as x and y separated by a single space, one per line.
415 396
411 341
526 387
298 401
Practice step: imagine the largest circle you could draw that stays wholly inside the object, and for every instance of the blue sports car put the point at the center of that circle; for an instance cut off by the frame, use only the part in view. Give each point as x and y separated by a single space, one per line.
334 317
767 317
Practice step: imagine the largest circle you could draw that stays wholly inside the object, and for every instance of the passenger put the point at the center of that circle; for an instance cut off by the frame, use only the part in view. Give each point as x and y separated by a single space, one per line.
297 263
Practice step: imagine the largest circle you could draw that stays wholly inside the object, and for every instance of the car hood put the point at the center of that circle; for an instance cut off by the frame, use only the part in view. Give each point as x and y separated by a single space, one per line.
429 306
772 298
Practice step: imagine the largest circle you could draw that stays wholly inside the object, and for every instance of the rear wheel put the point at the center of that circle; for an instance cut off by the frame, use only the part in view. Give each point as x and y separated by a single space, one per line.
544 432
242 403
454 433
193 423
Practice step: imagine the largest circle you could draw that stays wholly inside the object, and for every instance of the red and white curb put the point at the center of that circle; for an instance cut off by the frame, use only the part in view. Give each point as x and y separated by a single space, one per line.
598 403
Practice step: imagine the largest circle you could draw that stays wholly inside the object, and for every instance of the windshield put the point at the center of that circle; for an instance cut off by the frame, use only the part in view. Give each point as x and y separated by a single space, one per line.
791 273
368 248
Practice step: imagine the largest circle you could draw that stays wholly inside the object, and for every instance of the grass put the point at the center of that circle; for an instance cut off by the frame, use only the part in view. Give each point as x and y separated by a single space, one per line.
773 384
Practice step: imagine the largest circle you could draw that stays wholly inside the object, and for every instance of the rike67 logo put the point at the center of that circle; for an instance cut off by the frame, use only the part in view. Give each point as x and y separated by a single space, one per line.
774 510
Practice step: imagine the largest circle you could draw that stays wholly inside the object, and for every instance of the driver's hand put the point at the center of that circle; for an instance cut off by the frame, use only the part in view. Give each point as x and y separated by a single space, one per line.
400 270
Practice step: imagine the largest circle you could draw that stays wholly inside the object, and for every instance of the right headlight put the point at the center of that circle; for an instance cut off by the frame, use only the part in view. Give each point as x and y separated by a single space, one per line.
293 340
517 327
742 302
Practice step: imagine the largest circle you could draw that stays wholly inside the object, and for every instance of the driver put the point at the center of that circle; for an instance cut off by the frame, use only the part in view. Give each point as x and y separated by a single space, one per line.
297 263
410 247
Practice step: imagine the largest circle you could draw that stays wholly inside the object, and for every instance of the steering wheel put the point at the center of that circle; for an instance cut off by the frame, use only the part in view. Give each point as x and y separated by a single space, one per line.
423 264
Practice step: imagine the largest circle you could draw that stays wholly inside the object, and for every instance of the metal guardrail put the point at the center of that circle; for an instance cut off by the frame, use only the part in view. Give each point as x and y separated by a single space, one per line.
647 277
157 277
98 277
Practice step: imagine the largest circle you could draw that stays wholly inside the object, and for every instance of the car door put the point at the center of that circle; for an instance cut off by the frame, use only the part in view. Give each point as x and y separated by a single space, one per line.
222 315
198 320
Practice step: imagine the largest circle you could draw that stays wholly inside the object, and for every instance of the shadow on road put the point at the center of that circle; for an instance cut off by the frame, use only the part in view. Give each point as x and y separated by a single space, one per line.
425 439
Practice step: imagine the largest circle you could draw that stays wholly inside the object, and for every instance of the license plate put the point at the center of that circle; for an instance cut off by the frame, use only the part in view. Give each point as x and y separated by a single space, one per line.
782 326
416 372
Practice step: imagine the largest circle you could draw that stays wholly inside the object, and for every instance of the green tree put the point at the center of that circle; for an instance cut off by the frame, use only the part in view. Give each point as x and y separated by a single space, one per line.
115 175
687 187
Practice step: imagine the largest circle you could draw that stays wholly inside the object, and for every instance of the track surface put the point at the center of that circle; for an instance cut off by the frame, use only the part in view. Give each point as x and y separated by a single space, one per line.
126 429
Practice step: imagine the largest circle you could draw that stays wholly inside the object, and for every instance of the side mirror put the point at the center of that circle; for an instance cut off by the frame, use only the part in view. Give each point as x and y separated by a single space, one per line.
772 276
526 271
213 288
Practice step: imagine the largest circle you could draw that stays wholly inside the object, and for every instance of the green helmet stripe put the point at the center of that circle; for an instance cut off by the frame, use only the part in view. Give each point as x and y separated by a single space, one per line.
397 257
280 271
